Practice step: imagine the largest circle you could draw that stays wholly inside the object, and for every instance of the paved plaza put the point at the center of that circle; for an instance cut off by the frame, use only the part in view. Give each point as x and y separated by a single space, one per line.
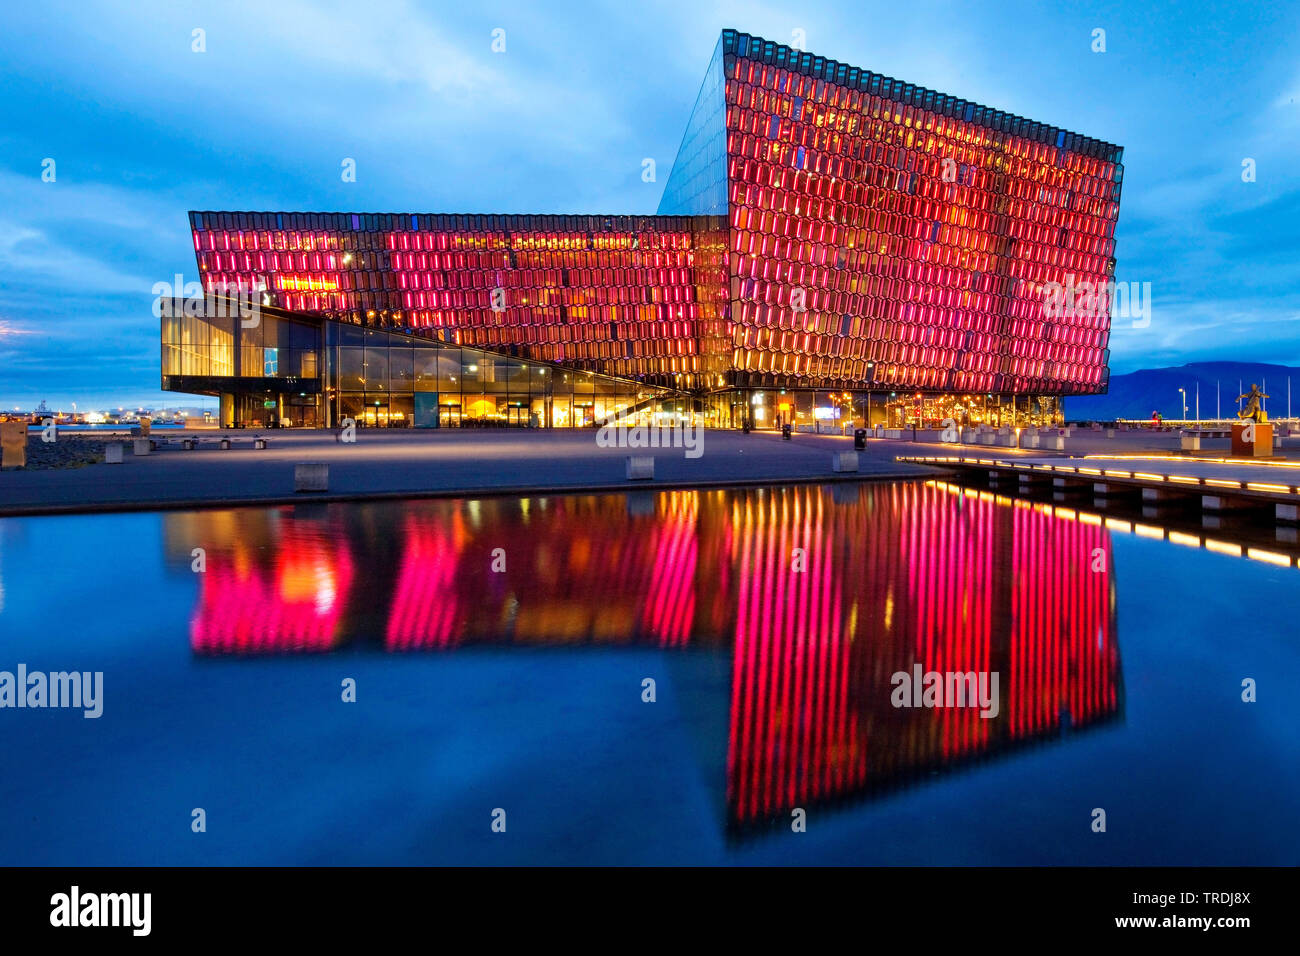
412 463
473 462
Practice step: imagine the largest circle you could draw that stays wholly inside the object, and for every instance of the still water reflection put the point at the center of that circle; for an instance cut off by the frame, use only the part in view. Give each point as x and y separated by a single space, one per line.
818 594
500 650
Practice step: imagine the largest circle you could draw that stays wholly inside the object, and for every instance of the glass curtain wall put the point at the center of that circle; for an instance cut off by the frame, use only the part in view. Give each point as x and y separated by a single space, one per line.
388 380
834 409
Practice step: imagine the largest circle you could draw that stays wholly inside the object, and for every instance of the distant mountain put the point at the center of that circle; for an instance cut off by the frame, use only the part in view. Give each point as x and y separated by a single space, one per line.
1138 394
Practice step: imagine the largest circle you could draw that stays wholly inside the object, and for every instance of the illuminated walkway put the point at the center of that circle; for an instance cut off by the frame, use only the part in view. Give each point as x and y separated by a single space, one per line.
1220 483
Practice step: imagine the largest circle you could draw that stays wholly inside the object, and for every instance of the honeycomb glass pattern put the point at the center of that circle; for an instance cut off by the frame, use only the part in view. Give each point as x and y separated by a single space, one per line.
823 227
886 235
610 294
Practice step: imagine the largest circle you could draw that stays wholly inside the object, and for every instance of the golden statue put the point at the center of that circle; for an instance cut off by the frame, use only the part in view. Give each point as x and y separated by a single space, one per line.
1252 409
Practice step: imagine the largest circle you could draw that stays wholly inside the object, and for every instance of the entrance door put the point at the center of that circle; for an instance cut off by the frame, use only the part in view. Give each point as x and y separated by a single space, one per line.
375 416
449 416
516 417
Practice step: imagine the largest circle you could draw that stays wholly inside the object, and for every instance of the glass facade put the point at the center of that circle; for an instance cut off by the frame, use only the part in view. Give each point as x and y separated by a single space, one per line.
834 410
697 185
397 380
268 371
305 371
882 233
611 294
823 228
196 344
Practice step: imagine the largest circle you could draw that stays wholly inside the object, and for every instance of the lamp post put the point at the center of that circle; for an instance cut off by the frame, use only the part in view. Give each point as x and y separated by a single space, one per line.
1183 392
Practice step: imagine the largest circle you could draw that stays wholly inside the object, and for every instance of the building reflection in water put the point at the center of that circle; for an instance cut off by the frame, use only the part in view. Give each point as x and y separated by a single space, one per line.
283 589
821 595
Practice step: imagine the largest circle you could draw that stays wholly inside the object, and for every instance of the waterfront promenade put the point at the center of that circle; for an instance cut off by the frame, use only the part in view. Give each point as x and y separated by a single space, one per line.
411 463
398 463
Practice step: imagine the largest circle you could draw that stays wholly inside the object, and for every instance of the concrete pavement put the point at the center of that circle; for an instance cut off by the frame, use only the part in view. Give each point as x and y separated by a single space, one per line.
449 462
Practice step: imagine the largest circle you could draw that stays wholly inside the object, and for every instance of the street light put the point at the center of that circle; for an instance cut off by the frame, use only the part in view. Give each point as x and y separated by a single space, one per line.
1183 392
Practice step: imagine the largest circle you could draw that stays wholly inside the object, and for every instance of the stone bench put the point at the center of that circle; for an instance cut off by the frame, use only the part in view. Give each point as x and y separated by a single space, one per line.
257 442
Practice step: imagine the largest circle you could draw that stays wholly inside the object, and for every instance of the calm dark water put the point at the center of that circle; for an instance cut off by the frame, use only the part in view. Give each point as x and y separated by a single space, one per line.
500 649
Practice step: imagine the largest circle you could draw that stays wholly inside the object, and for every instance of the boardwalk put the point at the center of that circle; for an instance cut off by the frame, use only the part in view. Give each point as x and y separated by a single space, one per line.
1220 483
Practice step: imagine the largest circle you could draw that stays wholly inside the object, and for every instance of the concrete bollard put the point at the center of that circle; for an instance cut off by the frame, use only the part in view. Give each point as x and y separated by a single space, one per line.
225 444
141 446
113 453
1056 442
259 443
1110 433
311 476
640 467
1190 443
844 461
1029 439
13 444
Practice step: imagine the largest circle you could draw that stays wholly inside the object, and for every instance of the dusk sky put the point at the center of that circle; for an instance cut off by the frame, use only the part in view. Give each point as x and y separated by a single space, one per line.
142 129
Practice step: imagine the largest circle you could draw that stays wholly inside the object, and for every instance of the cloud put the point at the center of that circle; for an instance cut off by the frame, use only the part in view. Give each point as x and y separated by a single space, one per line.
42 261
7 329
143 129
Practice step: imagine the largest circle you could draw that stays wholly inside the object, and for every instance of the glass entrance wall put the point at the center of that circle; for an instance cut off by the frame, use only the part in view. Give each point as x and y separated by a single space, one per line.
834 409
385 379
928 410
270 367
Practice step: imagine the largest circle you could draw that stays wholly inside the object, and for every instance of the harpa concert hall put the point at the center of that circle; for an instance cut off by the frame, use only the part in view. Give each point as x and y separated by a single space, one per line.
831 244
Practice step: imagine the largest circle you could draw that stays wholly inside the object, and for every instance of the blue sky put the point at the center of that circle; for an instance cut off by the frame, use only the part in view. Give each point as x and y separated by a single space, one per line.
142 129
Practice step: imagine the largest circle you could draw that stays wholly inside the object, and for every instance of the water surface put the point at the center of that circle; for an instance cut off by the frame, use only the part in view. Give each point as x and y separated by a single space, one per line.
500 650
